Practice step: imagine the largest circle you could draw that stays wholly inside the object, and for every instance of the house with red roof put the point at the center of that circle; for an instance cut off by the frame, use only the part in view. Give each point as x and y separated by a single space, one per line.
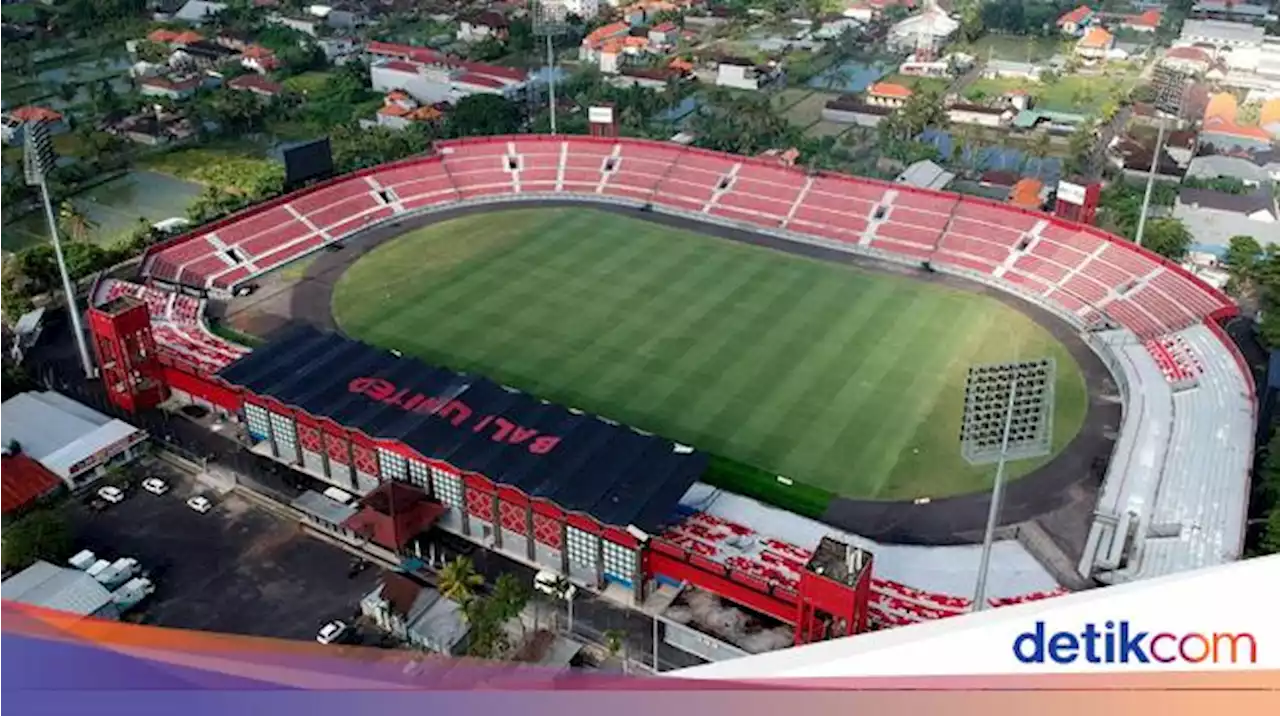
1077 21
257 84
1148 21
1187 59
259 59
888 94
13 121
399 110
24 483
1095 44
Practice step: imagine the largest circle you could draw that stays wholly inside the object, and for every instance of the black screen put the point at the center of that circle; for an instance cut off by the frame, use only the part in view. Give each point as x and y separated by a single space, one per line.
306 162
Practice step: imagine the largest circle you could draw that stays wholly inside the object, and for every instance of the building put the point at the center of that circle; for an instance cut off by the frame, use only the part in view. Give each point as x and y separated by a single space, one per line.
73 441
399 111
926 175
1148 21
305 23
741 73
197 12
474 27
1231 10
596 40
1077 21
1214 166
154 128
202 55
666 34
852 110
174 88
1213 217
1224 133
1221 35
980 115
256 84
1000 69
1096 44
259 59
417 615
67 590
12 122
928 30
888 94
25 483
431 77
1187 58
339 50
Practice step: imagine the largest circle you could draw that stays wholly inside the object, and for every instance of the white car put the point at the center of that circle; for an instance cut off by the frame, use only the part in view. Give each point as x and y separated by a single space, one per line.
200 504
155 485
553 585
331 632
111 494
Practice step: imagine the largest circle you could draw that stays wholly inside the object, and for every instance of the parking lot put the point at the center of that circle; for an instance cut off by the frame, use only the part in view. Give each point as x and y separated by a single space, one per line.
235 569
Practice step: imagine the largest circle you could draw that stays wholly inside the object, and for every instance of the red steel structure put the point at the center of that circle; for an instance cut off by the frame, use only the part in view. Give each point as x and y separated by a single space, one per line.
127 355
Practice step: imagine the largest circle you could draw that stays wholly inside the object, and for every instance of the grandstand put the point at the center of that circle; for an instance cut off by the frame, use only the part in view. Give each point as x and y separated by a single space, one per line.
1175 494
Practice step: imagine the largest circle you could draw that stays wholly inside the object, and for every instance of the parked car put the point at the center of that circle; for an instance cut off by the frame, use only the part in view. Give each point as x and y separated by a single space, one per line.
357 566
332 632
551 584
111 494
200 504
155 485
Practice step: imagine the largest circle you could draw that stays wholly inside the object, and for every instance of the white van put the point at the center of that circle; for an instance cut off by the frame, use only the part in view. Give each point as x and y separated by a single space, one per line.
548 583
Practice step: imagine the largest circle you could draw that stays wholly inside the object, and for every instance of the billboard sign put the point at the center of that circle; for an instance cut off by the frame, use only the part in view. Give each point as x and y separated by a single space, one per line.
1071 193
600 115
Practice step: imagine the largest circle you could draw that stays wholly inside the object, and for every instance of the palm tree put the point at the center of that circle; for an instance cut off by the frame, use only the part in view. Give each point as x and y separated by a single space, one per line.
459 581
73 222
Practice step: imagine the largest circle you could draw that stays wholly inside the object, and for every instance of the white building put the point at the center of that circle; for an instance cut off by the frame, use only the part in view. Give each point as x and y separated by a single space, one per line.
433 83
73 441
585 9
927 31
744 74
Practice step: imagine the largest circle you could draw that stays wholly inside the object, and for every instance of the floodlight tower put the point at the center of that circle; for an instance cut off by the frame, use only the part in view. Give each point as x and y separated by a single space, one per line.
1008 415
550 20
1171 93
37 161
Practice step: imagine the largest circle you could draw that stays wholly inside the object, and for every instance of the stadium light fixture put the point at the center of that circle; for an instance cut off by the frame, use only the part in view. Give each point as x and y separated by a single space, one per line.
1008 415
550 20
38 160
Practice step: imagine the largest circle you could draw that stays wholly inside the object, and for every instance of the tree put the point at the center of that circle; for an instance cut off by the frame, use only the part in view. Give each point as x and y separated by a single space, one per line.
44 534
487 638
1244 254
459 581
1167 237
510 596
483 114
615 642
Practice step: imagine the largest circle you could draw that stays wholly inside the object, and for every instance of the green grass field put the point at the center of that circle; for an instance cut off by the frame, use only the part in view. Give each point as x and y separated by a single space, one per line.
843 380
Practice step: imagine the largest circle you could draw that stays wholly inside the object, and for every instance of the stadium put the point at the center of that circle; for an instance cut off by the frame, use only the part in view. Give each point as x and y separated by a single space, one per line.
749 320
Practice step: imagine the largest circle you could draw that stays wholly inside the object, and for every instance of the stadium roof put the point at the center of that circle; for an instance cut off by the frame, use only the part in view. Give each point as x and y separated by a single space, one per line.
581 462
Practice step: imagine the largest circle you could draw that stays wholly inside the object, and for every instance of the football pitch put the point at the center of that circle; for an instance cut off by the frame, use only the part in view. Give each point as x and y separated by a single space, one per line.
843 380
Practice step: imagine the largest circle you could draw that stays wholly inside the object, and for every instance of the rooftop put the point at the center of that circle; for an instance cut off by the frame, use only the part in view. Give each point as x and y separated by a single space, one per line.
581 462
888 89
32 113
24 481
1096 37
1076 16
53 587
255 83
1222 31
1246 204
58 432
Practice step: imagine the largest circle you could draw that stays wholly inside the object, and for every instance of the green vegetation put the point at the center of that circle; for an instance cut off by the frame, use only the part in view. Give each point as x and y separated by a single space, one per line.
839 379
228 170
44 534
308 82
1013 48
1120 207
918 84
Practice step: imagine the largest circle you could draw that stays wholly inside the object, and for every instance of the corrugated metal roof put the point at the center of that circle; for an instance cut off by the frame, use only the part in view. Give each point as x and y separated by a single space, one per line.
52 587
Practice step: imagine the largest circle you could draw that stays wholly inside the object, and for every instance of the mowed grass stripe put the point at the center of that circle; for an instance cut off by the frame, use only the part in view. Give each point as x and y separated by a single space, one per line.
828 374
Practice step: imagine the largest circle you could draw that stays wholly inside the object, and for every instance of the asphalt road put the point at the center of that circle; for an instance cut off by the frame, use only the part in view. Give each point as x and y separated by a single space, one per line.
235 569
